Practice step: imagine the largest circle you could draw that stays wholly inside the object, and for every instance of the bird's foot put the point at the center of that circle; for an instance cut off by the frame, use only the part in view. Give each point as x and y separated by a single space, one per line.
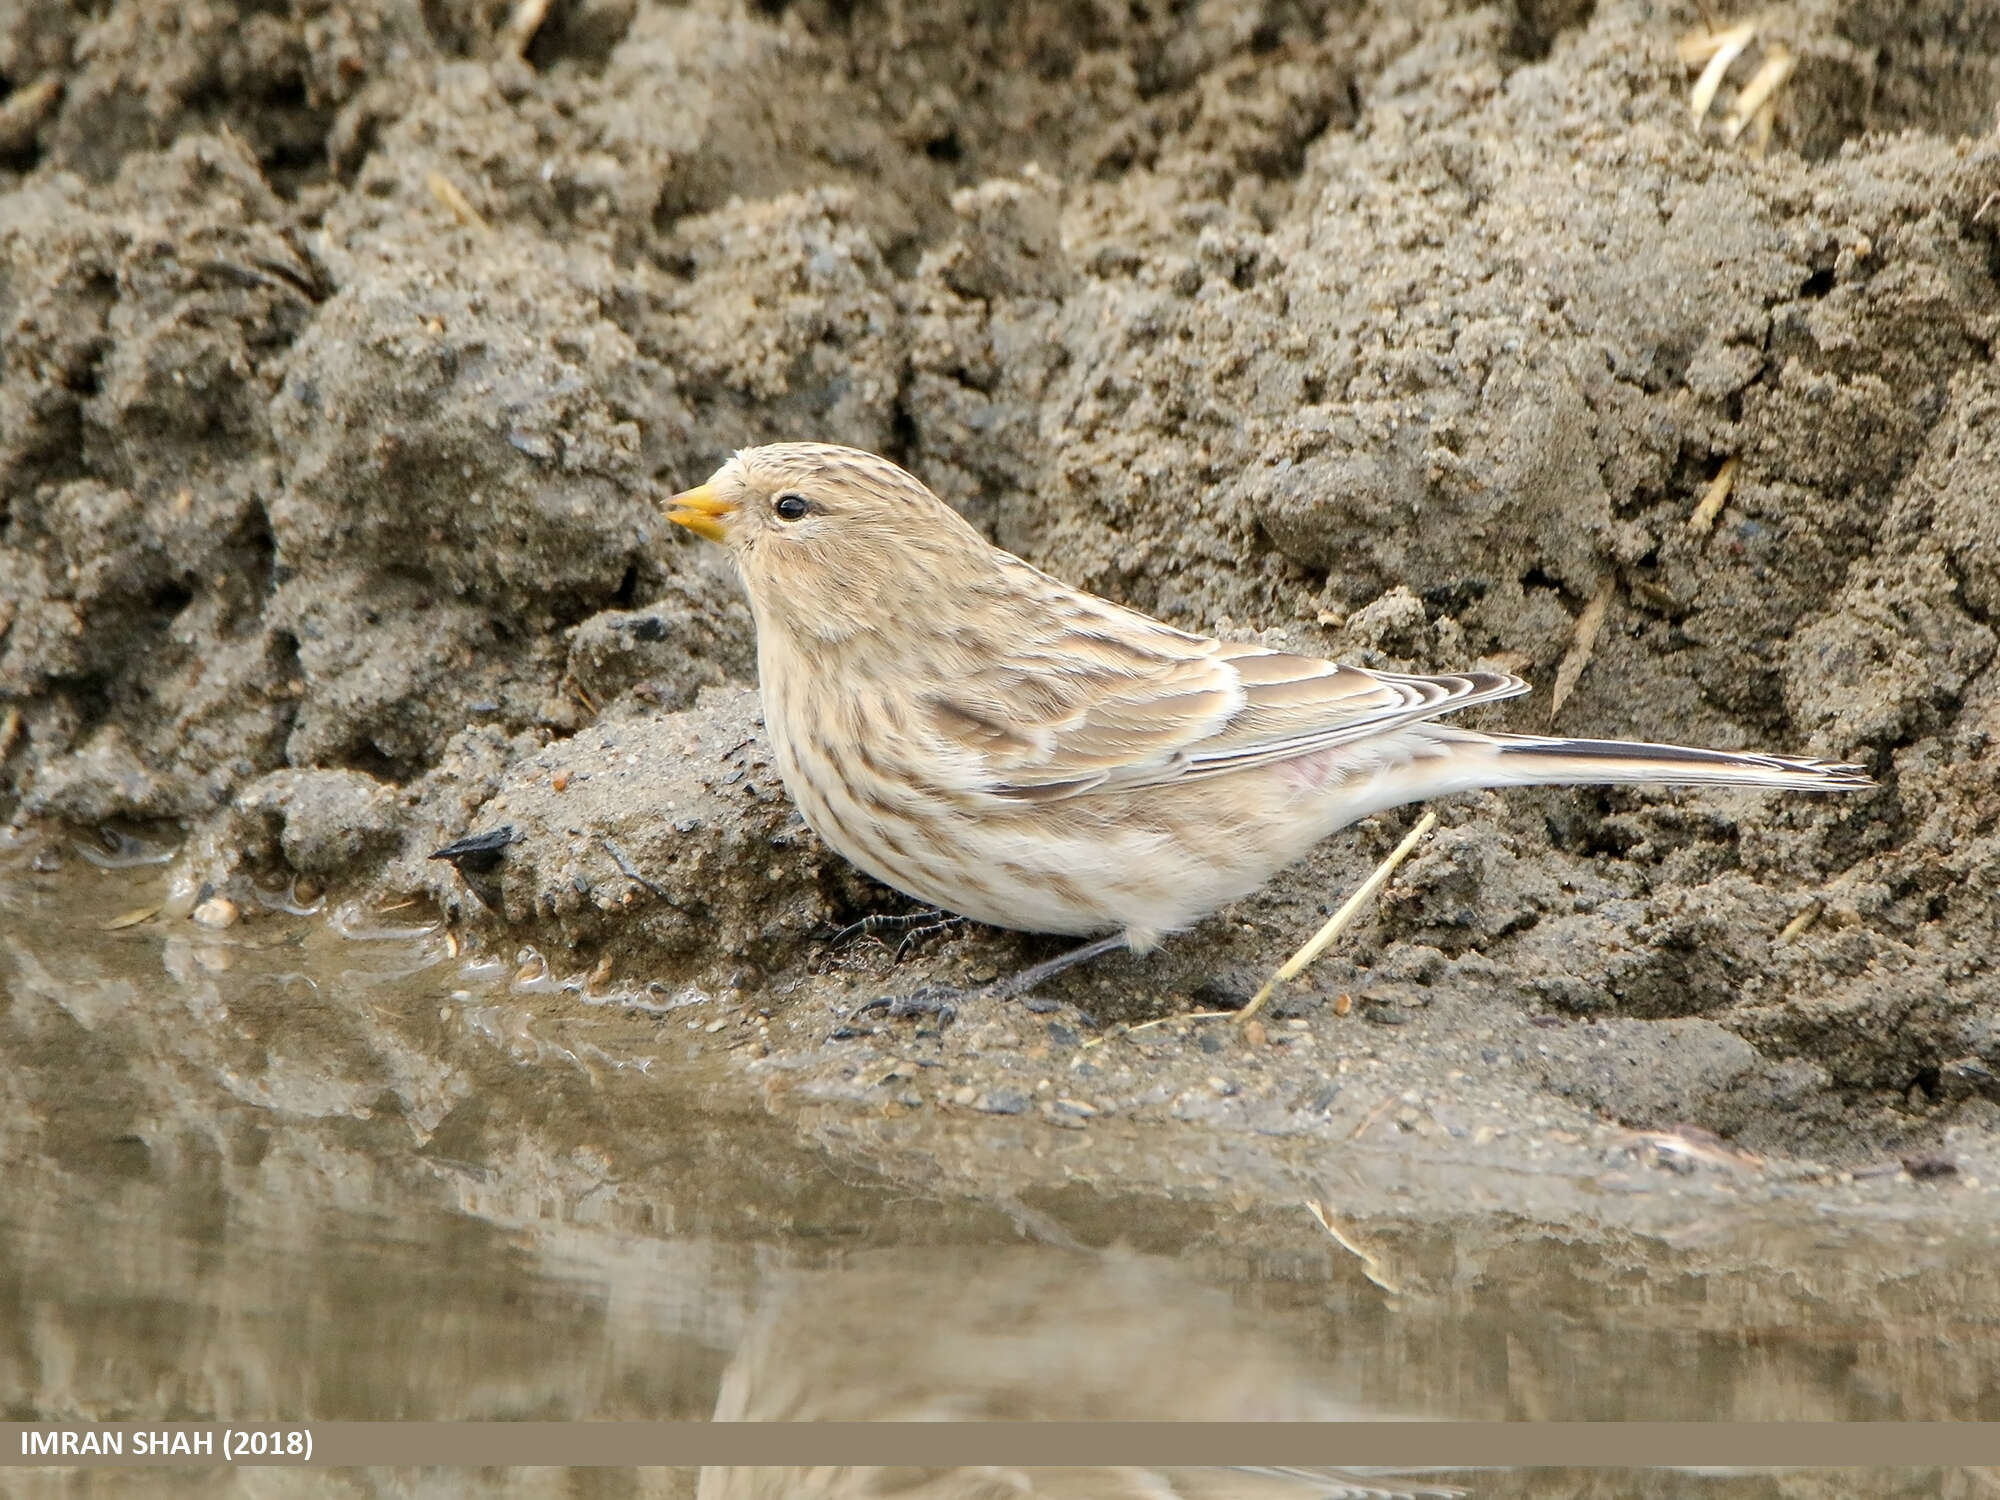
943 1000
938 1000
914 927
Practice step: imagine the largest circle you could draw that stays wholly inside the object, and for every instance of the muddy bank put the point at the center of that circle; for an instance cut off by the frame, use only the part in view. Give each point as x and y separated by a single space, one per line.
346 357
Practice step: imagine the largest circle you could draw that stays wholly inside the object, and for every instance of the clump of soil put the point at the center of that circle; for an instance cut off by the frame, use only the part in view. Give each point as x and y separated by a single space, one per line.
345 357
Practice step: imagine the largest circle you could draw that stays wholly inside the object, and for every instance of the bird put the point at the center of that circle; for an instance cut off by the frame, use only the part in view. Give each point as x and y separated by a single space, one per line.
998 744
1029 1334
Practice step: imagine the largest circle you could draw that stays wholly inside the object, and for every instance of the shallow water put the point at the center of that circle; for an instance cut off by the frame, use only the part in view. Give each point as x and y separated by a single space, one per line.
307 1168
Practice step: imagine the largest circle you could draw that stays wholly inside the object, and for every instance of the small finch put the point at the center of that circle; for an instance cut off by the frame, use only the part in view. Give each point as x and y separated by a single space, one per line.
994 742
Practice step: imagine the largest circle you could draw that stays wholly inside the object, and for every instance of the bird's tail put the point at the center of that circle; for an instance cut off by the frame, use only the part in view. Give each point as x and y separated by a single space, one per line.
1538 760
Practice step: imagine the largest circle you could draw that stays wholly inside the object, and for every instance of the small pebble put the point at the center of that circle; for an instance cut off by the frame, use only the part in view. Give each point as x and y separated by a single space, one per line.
216 911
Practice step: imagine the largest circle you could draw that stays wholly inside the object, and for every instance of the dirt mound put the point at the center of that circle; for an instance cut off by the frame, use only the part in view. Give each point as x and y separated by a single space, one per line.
344 356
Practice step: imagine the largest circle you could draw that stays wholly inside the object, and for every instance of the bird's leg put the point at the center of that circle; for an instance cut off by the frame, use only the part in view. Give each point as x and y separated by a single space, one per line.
941 1000
1021 983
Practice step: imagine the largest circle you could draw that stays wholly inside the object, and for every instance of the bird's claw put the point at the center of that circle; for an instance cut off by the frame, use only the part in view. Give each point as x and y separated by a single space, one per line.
915 928
917 936
939 1000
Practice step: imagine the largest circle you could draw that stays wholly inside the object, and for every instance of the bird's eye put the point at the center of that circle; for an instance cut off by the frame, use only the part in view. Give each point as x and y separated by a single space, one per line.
791 507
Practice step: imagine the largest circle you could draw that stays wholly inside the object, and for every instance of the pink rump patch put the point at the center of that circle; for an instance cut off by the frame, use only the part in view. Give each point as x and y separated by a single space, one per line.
1308 773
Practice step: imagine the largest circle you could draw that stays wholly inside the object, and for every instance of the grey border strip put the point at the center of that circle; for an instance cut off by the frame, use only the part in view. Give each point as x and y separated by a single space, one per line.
1017 1444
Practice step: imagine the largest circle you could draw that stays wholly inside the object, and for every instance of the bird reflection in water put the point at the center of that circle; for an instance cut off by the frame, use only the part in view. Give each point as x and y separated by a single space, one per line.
1027 1336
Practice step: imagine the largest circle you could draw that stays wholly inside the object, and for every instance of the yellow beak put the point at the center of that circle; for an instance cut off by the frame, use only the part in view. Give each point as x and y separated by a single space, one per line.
701 510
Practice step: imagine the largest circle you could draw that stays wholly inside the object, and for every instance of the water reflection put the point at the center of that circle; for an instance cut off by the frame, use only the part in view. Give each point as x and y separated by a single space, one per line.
274 1170
1068 1484
985 1484
1016 1335
1238 1484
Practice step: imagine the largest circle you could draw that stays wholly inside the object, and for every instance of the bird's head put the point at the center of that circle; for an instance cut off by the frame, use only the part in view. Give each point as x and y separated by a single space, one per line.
827 539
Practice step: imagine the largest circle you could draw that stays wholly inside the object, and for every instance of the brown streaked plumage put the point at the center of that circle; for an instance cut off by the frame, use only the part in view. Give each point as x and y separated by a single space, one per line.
984 737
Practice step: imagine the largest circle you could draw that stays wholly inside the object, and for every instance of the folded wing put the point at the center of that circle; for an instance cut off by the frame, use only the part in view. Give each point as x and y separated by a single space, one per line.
1118 702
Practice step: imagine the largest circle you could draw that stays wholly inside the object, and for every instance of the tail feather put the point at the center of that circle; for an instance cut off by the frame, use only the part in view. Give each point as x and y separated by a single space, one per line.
1538 760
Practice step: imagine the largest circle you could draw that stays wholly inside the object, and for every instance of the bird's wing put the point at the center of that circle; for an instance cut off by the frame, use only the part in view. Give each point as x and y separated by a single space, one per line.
1114 701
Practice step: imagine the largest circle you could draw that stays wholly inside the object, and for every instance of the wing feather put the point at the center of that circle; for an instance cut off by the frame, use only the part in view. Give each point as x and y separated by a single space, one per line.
1121 702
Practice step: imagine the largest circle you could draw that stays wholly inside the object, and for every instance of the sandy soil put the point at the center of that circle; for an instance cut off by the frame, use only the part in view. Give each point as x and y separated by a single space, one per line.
345 353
